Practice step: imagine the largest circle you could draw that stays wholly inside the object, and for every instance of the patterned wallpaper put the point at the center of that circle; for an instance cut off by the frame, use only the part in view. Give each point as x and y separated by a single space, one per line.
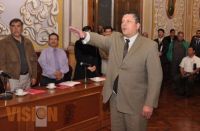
196 15
161 19
186 17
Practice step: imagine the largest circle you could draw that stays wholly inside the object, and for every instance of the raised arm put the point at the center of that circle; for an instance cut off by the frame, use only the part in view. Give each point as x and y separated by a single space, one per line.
92 39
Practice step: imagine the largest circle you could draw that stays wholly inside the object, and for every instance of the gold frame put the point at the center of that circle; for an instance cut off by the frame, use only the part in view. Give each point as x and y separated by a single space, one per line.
170 16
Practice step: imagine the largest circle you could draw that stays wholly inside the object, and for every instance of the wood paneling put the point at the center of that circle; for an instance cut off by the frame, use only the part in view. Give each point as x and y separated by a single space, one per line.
92 13
123 6
120 7
78 108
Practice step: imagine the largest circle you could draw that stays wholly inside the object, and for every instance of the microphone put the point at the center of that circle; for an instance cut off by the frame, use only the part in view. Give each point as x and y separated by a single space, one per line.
4 74
84 64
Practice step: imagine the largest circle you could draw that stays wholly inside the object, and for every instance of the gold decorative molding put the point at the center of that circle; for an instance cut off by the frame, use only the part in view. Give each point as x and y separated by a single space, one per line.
39 17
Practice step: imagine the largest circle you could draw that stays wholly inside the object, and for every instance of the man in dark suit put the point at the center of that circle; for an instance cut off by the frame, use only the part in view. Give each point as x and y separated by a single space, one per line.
195 43
133 77
162 48
168 42
171 37
87 54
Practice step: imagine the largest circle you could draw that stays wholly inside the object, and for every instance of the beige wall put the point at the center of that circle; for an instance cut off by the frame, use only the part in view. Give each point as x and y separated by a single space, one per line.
78 15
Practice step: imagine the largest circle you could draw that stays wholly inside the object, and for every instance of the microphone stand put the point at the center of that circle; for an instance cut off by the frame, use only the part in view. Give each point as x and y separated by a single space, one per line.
6 95
85 71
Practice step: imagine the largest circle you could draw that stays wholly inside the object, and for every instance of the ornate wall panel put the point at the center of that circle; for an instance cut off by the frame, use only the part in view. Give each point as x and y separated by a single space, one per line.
195 16
39 18
4 30
161 19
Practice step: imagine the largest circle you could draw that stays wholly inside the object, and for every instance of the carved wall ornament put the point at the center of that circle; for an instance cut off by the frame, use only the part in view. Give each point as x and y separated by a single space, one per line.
196 15
4 30
39 17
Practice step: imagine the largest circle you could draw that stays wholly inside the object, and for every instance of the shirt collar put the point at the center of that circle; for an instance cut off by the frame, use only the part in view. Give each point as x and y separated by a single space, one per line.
17 41
132 39
53 47
160 39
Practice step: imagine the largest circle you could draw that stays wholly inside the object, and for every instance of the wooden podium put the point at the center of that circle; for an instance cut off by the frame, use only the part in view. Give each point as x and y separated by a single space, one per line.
77 108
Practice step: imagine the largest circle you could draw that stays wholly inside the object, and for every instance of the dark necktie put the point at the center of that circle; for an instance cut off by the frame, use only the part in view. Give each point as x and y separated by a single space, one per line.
126 46
56 59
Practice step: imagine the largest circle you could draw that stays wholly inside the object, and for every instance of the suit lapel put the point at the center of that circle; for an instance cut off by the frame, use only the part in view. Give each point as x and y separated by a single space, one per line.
120 49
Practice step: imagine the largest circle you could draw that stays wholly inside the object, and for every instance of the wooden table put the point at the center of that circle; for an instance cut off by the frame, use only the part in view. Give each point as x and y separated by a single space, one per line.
77 108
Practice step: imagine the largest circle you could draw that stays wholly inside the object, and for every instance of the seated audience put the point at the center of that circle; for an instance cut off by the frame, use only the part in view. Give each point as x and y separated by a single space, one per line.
54 63
195 42
87 54
189 68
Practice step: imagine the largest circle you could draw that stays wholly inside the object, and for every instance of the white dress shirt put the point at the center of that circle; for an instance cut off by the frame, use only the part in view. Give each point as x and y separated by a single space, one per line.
188 62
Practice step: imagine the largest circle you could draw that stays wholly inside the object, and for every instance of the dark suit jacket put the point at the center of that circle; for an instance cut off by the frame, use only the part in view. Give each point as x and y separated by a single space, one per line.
164 46
195 45
87 54
140 72
167 39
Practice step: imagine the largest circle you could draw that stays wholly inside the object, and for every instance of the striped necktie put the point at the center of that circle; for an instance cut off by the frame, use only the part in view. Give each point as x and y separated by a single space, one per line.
126 46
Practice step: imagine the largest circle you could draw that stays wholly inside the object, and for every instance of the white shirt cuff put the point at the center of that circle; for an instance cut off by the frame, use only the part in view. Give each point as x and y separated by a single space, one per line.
87 38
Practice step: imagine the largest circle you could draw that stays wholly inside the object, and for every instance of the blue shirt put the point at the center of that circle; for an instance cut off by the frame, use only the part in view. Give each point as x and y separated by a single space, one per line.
47 62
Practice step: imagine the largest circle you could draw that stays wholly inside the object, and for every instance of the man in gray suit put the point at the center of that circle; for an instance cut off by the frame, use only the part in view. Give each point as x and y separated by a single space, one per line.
134 74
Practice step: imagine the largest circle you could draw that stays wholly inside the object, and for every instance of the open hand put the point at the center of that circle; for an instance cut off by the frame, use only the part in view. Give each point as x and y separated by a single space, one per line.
58 75
79 33
92 68
147 111
33 81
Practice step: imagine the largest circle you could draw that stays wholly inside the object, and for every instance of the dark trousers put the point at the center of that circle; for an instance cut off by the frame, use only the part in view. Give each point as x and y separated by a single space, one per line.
185 85
45 80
